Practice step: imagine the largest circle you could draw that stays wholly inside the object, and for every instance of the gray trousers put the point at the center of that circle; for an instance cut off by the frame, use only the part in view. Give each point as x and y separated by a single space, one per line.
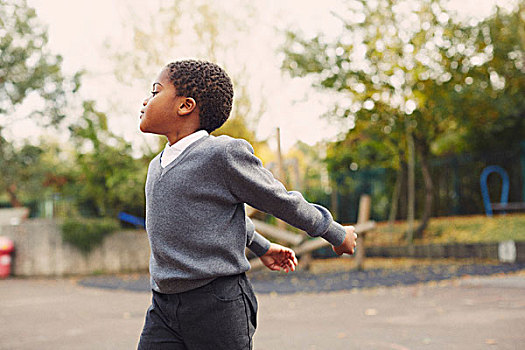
219 315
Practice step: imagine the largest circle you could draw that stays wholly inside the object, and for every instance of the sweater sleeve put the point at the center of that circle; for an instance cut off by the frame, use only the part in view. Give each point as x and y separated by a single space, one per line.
254 241
251 183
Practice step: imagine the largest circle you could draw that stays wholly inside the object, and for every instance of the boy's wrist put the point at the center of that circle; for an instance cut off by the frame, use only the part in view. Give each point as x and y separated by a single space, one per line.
335 234
259 245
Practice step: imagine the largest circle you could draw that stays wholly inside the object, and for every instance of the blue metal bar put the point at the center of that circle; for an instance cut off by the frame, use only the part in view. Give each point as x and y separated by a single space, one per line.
132 219
484 188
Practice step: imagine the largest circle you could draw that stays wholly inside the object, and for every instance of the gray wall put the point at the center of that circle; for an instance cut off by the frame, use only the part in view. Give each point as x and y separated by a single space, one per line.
40 251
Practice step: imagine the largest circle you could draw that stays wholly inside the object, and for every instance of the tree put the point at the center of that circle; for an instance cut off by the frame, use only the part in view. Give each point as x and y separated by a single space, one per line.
408 64
493 96
27 67
107 179
27 70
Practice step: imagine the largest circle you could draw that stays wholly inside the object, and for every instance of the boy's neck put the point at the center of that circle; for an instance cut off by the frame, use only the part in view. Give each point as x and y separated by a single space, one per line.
179 135
185 126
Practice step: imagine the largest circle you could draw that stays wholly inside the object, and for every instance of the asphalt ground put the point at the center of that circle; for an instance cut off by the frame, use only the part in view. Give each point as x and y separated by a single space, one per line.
463 312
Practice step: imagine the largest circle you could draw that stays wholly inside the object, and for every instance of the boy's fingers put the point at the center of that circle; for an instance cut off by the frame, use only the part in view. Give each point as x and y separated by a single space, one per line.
291 261
290 252
288 266
292 257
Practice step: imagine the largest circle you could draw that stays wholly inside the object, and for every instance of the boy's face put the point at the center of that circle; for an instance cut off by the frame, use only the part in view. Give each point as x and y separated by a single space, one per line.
159 115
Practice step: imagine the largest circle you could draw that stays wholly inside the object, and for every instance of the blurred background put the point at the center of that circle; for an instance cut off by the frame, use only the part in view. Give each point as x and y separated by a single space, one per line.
404 117
407 101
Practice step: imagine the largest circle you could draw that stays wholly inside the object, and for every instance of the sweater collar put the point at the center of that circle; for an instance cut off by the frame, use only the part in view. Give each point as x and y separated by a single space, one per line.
170 153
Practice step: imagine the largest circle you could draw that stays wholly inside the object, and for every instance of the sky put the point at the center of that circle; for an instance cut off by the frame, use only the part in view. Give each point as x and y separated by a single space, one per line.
78 30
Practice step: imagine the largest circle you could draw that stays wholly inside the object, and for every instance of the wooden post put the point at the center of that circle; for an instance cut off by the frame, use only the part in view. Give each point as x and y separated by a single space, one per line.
363 216
281 176
280 164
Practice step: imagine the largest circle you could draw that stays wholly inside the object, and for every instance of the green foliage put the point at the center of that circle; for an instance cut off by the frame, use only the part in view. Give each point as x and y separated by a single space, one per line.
437 76
107 179
99 173
87 234
26 66
24 170
495 105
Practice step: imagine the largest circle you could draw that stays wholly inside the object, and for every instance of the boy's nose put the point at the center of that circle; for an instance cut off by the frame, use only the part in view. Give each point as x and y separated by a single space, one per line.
145 102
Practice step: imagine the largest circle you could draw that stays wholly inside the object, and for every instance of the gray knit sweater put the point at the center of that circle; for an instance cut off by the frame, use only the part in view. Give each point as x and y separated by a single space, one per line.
195 215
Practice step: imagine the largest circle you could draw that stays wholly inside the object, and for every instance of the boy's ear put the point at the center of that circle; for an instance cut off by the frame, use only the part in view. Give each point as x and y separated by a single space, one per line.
186 106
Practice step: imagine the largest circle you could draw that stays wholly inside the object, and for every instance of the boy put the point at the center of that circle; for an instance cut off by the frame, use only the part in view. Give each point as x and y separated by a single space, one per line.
195 218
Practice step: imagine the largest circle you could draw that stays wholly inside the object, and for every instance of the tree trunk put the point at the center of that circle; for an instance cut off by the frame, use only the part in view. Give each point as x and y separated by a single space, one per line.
422 151
395 196
395 200
411 186
11 192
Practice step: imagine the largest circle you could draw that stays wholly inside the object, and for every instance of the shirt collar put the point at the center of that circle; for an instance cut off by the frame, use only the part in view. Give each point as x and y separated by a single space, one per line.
183 143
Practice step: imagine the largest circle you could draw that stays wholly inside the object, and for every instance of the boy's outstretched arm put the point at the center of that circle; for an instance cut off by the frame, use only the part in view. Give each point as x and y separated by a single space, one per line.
279 258
249 182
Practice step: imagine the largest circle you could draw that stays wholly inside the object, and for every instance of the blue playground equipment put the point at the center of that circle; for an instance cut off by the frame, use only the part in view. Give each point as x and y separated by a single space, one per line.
132 219
485 191
504 205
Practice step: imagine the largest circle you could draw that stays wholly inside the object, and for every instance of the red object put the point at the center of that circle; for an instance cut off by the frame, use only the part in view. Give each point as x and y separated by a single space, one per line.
6 249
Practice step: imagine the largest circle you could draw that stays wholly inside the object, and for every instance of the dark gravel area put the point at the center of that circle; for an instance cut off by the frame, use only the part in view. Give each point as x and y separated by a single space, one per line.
302 281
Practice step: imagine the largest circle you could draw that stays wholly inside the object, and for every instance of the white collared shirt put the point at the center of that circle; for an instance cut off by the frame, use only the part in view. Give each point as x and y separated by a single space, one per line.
172 152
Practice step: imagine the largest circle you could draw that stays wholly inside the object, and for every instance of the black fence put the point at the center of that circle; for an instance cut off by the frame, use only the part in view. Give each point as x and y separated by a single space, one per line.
456 182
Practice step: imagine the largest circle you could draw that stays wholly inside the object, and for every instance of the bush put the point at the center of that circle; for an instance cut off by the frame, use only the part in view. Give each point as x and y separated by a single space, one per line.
86 234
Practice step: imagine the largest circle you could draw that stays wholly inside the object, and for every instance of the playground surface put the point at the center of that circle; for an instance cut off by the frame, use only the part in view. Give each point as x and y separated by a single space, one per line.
471 312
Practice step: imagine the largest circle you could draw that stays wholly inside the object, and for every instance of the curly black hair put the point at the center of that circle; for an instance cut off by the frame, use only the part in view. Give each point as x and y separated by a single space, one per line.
209 85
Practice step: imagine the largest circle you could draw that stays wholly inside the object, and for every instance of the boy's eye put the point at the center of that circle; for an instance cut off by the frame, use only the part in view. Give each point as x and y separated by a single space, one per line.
154 93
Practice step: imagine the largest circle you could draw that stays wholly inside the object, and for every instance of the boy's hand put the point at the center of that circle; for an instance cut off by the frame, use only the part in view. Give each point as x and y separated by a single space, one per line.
349 243
279 258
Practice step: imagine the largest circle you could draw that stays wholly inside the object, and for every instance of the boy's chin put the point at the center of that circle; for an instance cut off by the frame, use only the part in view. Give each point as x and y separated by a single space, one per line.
148 130
144 127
